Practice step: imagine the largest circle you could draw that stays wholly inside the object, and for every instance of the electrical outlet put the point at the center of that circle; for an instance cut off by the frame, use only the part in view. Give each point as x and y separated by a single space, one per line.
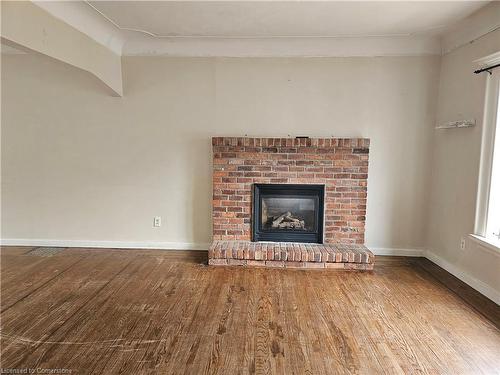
462 243
157 221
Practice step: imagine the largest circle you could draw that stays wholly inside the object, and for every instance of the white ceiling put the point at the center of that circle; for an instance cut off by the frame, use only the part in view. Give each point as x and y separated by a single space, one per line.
239 19
276 28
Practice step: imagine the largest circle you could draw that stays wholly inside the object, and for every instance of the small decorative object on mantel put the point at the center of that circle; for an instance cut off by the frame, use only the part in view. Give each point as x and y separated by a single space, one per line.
458 124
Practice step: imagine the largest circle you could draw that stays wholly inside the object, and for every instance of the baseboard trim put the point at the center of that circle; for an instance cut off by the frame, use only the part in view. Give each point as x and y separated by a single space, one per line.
106 244
483 288
397 251
167 245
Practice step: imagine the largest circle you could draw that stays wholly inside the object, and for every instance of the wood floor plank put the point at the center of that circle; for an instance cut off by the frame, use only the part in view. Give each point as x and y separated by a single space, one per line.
295 346
15 250
103 320
26 274
35 321
149 312
489 309
163 320
328 350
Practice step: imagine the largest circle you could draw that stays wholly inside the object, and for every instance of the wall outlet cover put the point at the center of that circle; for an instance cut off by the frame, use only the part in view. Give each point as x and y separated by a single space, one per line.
157 221
463 243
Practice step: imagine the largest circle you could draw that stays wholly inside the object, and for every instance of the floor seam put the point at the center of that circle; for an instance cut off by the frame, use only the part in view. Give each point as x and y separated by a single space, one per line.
75 312
42 285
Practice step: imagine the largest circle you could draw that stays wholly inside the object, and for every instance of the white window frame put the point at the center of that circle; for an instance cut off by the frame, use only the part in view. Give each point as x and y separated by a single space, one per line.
487 149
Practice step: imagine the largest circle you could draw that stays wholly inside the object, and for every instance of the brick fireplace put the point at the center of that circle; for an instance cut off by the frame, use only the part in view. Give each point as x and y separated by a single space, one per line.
338 165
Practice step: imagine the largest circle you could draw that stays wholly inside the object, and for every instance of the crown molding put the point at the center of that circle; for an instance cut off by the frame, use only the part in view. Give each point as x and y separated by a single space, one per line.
145 45
485 21
86 19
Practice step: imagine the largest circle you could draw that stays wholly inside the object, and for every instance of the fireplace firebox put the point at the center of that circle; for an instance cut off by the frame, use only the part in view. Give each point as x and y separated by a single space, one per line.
288 213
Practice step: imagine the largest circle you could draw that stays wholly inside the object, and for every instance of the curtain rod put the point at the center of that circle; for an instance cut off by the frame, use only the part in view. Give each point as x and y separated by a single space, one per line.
487 69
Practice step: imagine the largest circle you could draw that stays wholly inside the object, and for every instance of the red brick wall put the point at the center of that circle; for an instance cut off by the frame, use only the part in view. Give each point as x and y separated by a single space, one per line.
340 164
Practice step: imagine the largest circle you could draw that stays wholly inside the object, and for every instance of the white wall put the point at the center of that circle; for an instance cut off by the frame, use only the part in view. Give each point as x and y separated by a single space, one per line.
78 164
27 25
455 165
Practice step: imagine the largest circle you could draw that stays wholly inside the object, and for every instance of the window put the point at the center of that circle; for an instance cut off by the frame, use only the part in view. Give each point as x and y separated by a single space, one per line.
493 219
488 203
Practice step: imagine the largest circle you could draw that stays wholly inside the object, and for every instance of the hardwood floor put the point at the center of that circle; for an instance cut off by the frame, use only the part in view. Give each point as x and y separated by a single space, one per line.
102 311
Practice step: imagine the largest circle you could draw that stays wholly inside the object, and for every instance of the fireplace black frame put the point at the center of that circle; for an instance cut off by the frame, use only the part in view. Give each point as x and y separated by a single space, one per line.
298 190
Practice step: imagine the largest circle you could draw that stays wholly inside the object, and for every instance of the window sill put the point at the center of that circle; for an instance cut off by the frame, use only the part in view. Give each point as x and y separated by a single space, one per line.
490 244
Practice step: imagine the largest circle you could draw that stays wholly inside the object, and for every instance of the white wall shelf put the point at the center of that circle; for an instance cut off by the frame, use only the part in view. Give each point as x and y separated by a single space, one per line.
457 124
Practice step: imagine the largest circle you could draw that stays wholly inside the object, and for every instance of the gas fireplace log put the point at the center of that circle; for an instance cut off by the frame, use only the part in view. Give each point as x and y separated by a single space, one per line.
292 225
286 220
279 219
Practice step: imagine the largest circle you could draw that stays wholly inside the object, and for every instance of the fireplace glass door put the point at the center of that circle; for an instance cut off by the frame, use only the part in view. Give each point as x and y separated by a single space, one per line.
284 212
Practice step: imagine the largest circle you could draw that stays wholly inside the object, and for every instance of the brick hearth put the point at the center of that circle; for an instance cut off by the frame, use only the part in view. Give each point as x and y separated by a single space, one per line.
339 164
290 255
